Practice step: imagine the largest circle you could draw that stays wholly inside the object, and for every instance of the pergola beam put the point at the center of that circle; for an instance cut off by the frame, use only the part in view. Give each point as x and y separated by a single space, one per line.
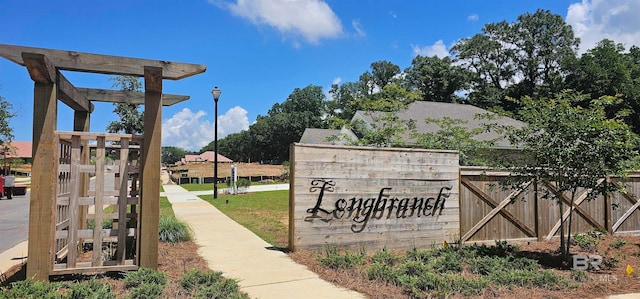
103 64
42 70
127 97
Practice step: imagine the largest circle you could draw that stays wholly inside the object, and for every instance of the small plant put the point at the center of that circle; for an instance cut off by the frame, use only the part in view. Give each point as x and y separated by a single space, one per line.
144 275
448 261
579 275
381 272
146 290
586 241
618 243
32 289
210 284
384 257
172 230
335 260
502 245
192 279
610 262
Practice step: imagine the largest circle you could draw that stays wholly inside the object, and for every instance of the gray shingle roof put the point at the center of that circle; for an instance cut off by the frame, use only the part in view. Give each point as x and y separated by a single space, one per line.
421 110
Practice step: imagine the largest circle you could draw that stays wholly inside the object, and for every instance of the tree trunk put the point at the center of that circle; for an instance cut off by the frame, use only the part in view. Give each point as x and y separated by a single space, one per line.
573 196
562 248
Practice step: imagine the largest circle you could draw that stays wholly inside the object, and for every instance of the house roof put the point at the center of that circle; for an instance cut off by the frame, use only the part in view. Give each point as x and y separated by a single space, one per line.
324 136
420 110
19 149
206 156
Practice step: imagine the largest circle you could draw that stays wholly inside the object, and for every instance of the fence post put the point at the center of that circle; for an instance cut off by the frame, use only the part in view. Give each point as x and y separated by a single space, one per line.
537 211
607 206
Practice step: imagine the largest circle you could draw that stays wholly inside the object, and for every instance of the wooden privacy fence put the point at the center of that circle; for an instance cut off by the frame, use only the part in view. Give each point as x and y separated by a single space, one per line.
488 212
87 164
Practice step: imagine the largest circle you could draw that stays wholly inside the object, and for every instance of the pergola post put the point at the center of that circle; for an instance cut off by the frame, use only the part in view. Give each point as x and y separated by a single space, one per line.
43 188
150 185
81 123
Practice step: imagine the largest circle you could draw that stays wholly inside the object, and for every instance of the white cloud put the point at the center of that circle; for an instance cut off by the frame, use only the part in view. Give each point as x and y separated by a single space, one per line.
358 27
473 17
594 20
192 131
437 49
393 14
336 80
311 19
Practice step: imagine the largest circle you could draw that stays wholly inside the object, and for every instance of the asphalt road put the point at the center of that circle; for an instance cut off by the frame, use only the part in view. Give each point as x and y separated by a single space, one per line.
14 221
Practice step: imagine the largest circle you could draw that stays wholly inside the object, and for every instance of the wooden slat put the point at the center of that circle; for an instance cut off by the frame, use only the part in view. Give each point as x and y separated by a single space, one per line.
122 201
575 206
73 204
97 223
626 215
103 64
86 268
89 136
497 208
127 97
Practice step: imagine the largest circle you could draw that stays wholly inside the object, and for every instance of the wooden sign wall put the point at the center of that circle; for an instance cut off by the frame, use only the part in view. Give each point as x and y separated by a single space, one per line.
369 198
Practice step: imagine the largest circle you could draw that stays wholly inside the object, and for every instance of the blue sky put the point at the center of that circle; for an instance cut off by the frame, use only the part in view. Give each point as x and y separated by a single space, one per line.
258 51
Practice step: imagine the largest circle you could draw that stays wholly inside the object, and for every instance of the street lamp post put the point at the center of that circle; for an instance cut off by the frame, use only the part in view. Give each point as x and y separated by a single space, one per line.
216 95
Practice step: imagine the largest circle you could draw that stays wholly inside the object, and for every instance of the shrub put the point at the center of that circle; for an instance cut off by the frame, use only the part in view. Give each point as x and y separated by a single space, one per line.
135 279
91 289
448 261
335 260
32 289
586 241
192 279
384 257
172 230
579 275
146 291
381 272
618 243
210 284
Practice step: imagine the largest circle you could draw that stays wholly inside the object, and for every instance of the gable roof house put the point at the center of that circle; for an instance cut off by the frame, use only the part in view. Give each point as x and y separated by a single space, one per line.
208 156
417 112
420 110
18 150
327 136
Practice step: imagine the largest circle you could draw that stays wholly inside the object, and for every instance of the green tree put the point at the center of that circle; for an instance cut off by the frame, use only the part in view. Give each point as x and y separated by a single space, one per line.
543 43
524 58
454 134
131 117
570 147
386 129
236 146
606 70
6 131
436 78
172 154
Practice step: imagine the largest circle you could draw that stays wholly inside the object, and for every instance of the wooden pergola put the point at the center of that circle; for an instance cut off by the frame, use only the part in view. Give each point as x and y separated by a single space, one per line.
62 159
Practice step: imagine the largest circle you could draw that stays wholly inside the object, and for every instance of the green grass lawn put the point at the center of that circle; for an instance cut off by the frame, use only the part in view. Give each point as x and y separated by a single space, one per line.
266 214
207 187
165 207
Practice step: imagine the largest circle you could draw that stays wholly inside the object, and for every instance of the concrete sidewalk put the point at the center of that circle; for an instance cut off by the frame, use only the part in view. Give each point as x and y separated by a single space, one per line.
238 253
